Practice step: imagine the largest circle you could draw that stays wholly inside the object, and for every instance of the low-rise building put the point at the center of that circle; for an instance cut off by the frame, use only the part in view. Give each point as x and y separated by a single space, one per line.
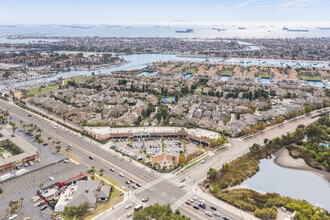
165 160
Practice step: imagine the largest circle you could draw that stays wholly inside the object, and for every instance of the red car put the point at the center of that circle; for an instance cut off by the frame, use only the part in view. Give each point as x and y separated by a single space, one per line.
188 203
132 181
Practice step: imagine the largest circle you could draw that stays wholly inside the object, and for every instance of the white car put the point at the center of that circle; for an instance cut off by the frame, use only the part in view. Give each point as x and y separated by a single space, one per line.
216 214
182 185
208 213
194 197
51 178
128 206
203 161
36 199
121 174
12 217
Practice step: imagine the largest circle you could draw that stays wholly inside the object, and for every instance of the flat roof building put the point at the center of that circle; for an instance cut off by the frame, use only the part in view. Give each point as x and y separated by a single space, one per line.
28 152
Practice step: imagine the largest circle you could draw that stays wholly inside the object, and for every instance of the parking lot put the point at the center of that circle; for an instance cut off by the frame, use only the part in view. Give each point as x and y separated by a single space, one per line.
27 185
47 154
139 148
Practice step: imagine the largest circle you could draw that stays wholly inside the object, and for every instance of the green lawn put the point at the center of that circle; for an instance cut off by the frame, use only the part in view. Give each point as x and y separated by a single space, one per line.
264 75
40 90
192 70
312 78
226 72
36 91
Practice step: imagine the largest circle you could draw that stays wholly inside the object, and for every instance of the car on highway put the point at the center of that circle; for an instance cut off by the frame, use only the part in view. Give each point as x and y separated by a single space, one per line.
213 207
12 217
216 214
145 199
43 207
196 207
188 203
132 181
208 213
121 174
51 178
202 205
129 215
111 169
128 206
91 157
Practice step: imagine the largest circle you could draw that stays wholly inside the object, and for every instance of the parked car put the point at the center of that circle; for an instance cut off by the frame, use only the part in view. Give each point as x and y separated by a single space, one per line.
225 218
41 203
182 180
182 185
216 214
145 199
188 203
138 184
51 178
134 186
43 207
203 161
12 217
91 157
121 174
127 182
132 181
129 215
111 169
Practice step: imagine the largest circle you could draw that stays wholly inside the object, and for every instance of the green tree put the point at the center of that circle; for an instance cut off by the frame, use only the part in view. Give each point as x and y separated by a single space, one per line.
213 174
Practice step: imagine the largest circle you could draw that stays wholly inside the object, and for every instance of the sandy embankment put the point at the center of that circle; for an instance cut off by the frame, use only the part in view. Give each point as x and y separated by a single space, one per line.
283 159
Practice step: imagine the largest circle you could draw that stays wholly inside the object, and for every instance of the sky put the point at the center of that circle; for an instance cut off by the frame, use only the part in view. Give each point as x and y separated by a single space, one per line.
160 11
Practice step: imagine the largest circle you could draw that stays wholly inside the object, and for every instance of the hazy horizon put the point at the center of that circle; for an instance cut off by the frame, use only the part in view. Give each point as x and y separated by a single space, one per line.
169 12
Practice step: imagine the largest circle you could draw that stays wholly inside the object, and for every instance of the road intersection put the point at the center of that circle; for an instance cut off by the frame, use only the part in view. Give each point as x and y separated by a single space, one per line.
157 187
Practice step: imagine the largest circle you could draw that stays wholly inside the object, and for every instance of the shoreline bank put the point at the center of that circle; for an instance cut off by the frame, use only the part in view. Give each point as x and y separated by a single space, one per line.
240 58
283 159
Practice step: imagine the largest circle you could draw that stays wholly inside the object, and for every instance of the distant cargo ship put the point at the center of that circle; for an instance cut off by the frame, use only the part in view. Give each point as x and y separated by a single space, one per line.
11 26
186 31
167 27
297 30
219 29
241 28
113 26
323 28
285 28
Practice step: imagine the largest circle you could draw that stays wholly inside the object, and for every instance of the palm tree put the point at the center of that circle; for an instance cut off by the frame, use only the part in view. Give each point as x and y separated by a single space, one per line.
14 129
22 199
58 148
68 149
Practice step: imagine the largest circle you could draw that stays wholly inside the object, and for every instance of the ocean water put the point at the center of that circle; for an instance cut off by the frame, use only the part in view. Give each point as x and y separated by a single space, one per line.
253 30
